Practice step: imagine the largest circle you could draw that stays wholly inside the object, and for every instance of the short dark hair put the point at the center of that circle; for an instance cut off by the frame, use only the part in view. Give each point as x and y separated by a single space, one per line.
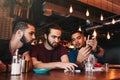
76 32
52 26
20 24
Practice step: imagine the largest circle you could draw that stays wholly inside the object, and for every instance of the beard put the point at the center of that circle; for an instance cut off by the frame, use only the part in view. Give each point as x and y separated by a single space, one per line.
79 46
24 41
53 46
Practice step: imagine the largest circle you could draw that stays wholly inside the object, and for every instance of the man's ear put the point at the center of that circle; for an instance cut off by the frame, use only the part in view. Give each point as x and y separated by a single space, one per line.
19 33
85 38
45 36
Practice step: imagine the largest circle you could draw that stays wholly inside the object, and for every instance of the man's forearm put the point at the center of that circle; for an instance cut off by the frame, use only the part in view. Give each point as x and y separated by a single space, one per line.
51 65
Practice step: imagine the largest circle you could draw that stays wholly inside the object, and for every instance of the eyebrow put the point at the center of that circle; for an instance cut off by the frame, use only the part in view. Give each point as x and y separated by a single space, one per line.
78 37
56 36
32 32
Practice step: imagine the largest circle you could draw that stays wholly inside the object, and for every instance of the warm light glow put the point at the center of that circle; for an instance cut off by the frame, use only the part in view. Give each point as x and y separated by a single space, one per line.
71 46
113 21
40 41
112 74
79 29
87 13
108 35
47 12
94 33
101 17
71 9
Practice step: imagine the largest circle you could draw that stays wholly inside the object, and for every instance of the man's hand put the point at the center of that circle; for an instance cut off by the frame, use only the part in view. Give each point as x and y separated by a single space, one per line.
2 67
66 65
83 53
93 43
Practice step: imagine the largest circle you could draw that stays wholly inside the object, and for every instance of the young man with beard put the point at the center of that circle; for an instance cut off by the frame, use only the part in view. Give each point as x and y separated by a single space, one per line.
51 54
83 48
23 34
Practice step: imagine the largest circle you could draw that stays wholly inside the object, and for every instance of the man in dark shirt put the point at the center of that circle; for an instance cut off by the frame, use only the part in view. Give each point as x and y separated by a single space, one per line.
51 54
22 36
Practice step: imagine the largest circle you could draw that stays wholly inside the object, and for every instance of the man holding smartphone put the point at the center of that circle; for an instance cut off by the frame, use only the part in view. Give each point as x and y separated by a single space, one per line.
83 48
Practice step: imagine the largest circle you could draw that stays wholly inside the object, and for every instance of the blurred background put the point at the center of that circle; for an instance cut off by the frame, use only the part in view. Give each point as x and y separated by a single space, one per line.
101 16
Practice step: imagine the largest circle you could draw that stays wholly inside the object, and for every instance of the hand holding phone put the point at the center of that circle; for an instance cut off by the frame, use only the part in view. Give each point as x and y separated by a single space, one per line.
92 42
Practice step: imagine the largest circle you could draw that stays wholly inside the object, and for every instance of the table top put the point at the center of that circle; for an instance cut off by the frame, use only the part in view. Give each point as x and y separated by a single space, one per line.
112 74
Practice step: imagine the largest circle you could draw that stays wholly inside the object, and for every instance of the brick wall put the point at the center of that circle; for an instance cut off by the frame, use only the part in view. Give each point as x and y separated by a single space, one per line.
5 24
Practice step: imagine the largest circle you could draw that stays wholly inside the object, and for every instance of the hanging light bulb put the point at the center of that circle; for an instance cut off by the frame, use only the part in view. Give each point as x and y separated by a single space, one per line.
101 17
79 29
87 12
108 35
113 21
71 9
94 33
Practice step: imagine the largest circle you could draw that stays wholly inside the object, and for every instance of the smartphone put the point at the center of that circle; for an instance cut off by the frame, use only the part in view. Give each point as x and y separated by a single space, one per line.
89 37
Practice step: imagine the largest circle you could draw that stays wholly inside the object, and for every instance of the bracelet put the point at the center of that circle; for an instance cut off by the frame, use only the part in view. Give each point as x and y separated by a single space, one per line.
7 68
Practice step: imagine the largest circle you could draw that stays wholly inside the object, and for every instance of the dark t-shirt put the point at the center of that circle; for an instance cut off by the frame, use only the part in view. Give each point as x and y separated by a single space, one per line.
44 55
5 55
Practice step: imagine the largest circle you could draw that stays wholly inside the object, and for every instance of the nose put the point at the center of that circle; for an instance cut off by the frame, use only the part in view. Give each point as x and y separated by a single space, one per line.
57 39
33 36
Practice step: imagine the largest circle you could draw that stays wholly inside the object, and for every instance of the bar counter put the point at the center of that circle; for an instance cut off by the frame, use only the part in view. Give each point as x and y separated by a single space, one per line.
112 74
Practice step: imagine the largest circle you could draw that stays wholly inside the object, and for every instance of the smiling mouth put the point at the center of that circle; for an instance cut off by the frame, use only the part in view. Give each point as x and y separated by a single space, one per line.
77 44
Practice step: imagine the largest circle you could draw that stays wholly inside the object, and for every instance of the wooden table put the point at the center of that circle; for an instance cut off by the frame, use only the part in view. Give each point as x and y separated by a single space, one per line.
113 74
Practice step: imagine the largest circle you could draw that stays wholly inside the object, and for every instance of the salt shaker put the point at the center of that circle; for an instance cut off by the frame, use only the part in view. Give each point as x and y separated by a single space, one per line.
24 65
106 67
15 69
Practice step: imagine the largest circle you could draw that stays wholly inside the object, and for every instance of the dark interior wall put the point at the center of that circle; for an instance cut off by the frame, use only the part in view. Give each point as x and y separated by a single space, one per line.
113 55
112 49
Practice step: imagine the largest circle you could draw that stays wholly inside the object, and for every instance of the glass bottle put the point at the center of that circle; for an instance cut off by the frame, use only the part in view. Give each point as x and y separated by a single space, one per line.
89 65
